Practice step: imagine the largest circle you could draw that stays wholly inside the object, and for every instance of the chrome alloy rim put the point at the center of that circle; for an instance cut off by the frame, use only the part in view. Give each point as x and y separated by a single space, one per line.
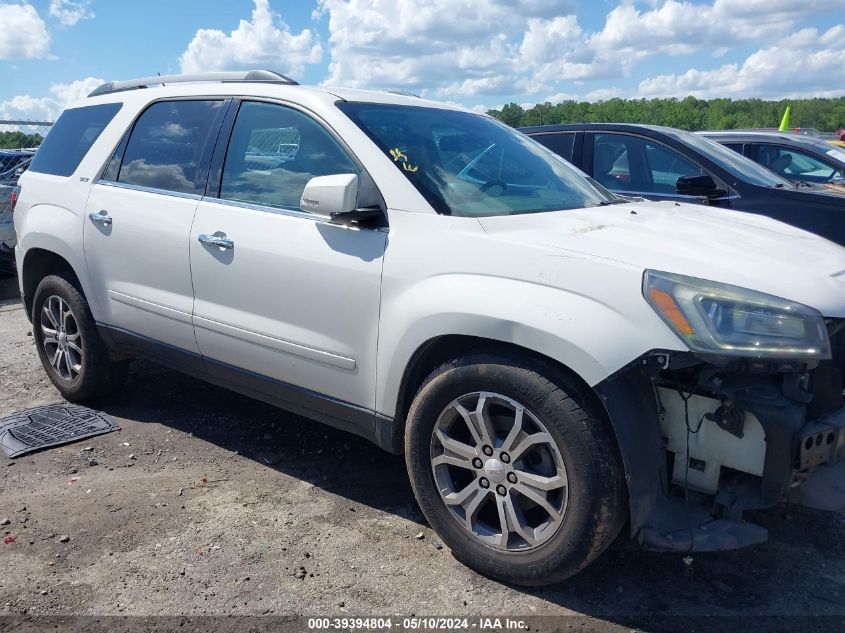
60 338
499 471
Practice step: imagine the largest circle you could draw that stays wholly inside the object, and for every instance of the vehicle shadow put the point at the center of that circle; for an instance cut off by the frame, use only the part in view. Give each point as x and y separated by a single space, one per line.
626 585
336 461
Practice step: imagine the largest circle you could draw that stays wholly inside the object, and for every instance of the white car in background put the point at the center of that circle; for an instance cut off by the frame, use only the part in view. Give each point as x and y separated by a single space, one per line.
553 361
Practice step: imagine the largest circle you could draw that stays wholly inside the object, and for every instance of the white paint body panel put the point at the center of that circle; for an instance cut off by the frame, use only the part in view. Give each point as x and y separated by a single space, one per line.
139 266
296 299
301 298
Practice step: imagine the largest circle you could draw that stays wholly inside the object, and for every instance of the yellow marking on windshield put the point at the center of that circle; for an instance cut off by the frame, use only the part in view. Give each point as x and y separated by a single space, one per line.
400 157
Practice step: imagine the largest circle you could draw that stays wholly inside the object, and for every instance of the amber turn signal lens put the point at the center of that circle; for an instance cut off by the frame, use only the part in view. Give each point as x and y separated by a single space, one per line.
671 311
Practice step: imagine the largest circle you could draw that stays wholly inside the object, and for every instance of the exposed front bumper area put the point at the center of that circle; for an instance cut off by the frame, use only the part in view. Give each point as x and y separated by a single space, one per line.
704 440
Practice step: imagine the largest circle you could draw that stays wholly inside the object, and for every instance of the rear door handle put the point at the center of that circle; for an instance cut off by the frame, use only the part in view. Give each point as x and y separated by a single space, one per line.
216 240
102 217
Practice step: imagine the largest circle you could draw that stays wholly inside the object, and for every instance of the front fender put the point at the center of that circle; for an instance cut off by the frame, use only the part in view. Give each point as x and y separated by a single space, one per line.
587 336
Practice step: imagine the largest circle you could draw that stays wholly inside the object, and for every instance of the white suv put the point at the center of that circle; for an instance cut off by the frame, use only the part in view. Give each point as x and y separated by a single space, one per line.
553 361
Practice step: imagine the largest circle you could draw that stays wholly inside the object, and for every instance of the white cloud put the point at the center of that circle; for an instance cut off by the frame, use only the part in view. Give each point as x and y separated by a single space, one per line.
804 63
25 107
684 27
465 48
68 12
24 34
441 47
265 41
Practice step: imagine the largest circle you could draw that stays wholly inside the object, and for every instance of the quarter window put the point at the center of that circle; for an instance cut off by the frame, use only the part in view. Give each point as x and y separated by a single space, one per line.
273 153
560 143
166 146
71 137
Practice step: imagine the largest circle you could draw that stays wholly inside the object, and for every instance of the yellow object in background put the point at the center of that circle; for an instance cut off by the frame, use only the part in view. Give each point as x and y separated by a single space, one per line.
784 122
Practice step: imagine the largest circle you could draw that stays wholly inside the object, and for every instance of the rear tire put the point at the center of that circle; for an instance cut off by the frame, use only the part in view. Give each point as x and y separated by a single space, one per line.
556 482
69 346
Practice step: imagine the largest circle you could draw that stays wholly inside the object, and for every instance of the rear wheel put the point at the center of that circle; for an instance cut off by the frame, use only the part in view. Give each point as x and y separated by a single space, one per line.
514 469
70 349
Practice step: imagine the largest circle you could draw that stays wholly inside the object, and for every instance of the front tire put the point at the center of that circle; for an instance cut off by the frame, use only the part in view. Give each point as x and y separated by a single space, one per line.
514 468
71 351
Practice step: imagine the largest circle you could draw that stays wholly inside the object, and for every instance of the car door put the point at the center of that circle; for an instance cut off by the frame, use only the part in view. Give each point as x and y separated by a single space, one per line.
139 217
288 302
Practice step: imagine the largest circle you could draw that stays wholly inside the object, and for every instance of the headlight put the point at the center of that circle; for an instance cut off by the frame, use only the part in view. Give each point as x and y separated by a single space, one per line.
720 319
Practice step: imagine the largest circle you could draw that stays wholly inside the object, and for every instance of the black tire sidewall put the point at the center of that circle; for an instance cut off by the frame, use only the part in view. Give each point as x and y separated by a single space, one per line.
576 542
83 387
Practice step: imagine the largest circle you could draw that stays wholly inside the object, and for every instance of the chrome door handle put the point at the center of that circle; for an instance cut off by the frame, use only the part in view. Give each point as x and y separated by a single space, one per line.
214 240
100 218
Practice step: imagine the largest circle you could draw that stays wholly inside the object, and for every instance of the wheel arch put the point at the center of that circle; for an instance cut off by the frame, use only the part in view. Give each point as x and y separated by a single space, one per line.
37 264
622 401
440 349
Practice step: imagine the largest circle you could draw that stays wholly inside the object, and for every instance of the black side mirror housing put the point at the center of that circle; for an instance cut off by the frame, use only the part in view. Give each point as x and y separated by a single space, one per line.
701 185
362 216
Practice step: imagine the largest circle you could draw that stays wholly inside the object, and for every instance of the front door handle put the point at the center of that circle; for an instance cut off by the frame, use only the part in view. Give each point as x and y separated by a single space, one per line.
102 217
216 240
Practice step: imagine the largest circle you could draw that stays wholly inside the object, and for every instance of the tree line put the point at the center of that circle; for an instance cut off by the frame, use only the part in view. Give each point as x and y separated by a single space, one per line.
824 114
17 140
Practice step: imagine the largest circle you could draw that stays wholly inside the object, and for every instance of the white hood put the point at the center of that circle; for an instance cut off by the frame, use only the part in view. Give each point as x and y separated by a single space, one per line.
742 249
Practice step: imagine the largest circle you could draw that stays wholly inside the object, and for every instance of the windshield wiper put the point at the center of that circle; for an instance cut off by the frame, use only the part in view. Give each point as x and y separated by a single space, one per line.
607 203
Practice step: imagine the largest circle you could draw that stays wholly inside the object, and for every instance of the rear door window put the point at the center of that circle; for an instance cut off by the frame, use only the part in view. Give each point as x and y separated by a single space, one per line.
166 148
71 137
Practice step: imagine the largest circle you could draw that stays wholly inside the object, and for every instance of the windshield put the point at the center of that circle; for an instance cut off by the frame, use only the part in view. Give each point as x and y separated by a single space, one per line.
731 161
473 166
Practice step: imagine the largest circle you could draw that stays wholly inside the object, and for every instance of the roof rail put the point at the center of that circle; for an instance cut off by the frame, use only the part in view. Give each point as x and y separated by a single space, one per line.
260 76
404 93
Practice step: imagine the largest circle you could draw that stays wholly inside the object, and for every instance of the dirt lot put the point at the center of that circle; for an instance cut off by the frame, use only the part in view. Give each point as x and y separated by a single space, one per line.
206 502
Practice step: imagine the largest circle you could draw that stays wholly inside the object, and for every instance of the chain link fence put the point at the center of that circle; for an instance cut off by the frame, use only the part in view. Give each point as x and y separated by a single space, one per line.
18 142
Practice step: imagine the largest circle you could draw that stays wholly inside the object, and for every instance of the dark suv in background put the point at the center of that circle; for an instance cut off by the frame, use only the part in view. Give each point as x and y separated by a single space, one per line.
12 164
661 163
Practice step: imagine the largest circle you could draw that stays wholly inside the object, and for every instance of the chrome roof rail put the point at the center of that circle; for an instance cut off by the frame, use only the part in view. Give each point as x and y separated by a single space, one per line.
260 76
404 93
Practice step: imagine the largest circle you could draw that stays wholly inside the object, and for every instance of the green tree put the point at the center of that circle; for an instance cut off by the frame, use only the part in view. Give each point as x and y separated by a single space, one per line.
690 113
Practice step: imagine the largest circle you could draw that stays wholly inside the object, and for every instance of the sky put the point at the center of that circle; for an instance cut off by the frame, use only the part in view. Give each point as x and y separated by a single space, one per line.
478 53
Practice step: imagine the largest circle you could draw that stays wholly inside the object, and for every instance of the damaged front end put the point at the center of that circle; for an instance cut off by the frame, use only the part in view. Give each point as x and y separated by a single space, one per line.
705 438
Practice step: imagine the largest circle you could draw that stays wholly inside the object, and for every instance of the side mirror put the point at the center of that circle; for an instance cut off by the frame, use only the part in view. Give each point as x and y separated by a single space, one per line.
328 195
701 185
337 197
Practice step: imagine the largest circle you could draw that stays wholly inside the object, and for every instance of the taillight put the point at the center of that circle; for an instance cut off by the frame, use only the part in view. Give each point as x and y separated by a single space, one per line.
13 199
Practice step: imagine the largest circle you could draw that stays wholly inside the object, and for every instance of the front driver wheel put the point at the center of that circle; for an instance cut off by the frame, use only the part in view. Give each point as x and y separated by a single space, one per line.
70 349
514 468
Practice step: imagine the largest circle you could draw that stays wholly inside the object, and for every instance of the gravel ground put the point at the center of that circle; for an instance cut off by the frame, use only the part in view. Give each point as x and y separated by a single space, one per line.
206 502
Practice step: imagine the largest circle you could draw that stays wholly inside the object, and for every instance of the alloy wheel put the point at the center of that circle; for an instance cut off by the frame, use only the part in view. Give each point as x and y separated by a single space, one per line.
499 471
60 338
